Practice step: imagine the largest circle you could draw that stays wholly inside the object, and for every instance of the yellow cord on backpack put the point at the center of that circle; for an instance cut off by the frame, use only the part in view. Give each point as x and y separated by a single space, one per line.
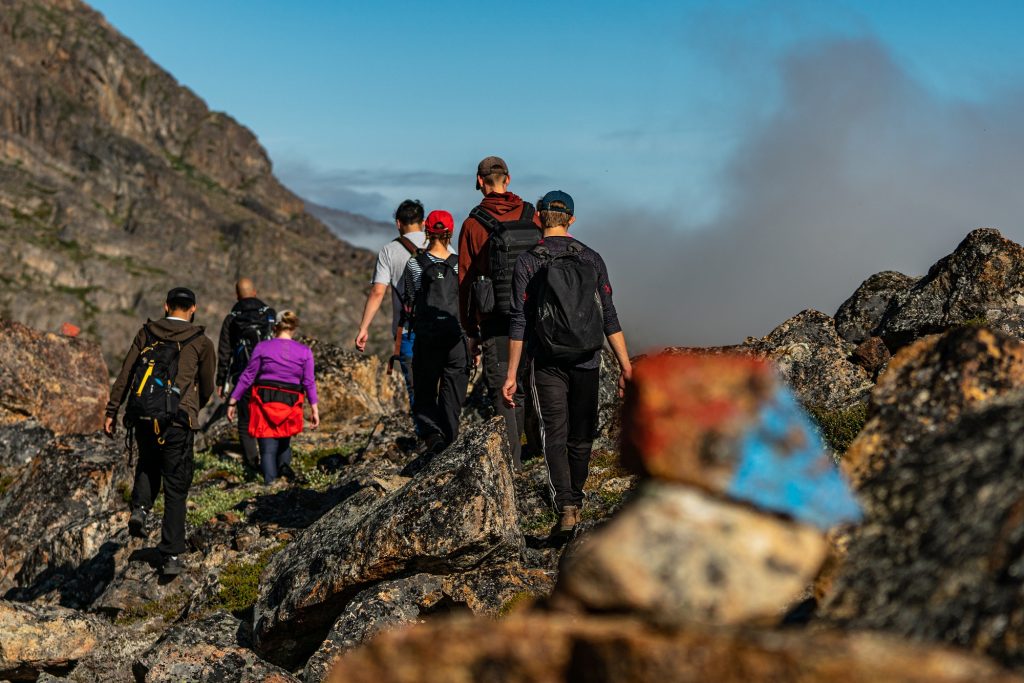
145 378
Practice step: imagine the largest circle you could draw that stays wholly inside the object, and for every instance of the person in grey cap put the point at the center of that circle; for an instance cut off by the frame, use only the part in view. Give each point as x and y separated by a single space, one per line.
167 376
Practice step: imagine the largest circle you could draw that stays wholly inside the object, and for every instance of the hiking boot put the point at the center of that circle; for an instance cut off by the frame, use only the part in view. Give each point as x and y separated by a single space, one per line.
171 566
286 472
569 519
434 443
137 523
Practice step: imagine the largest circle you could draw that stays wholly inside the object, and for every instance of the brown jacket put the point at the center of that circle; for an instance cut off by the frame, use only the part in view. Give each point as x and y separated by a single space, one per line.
474 255
197 367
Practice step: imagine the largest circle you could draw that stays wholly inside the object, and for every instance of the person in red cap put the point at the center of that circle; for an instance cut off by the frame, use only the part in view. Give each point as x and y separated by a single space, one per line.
440 357
496 232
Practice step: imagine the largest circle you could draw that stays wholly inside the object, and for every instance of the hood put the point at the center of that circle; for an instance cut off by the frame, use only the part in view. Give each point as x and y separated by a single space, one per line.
248 304
500 204
173 330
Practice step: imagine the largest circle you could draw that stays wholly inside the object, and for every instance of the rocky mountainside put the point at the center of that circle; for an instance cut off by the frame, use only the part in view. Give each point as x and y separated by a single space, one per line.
117 183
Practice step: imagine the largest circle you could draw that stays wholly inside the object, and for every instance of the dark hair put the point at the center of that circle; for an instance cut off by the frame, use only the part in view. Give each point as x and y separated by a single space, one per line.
180 304
409 212
495 179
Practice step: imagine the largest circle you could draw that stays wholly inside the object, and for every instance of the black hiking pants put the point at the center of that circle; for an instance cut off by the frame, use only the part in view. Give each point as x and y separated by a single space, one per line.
170 463
440 374
250 447
495 360
567 401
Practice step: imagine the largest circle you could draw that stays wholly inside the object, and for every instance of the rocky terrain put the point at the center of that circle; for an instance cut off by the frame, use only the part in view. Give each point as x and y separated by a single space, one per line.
117 183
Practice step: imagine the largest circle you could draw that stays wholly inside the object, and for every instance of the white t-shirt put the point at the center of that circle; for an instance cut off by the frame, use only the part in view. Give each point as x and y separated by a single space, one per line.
390 269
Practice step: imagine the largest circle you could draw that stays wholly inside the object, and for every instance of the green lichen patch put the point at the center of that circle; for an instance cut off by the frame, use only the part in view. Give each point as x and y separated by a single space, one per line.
840 427
168 608
239 583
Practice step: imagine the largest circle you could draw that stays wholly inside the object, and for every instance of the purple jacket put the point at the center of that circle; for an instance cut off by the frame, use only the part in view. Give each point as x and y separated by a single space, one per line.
279 360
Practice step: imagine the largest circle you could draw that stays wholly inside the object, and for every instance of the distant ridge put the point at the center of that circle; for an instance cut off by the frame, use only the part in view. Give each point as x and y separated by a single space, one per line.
354 228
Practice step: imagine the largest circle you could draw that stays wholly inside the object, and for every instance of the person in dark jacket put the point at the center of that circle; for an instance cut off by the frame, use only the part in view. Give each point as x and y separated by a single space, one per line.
166 455
565 391
250 321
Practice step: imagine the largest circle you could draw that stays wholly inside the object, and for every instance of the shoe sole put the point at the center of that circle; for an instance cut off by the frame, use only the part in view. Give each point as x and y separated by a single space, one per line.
171 571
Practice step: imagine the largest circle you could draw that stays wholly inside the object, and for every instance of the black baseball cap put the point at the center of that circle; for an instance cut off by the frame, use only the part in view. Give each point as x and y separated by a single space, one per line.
180 295
556 196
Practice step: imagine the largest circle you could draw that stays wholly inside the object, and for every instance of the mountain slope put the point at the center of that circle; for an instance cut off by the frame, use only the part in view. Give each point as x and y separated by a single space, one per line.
117 183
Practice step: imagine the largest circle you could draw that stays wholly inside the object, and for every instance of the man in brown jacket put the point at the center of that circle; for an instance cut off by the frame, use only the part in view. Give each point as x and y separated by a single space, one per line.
500 228
165 445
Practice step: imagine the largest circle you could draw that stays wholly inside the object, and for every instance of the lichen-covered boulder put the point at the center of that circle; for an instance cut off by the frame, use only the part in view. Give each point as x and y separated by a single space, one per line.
981 282
34 639
556 648
352 385
940 555
391 604
60 381
456 514
675 554
859 316
927 386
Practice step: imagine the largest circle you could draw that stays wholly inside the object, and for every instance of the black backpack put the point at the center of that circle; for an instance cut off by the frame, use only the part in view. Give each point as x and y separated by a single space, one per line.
435 310
507 241
249 327
569 320
152 396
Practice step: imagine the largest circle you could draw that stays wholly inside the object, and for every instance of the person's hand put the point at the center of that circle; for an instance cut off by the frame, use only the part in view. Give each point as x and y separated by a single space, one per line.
109 427
314 421
232 412
508 391
220 393
625 375
362 338
473 345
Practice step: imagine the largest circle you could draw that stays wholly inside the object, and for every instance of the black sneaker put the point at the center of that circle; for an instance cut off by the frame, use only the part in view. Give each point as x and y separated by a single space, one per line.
172 566
287 472
137 523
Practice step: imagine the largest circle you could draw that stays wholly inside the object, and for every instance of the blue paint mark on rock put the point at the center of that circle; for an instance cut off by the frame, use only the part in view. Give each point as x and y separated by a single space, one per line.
784 468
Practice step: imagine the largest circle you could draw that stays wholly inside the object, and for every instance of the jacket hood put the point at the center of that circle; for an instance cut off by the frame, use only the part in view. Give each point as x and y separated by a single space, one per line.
248 304
498 204
174 330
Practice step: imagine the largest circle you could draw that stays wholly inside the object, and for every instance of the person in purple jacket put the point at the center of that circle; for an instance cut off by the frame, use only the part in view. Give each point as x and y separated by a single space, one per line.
281 360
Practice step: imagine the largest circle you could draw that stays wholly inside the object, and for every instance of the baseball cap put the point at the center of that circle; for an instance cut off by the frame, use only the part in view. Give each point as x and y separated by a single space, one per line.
439 222
556 196
489 165
181 295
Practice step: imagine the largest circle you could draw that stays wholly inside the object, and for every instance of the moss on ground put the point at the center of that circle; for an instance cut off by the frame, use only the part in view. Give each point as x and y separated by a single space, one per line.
239 583
840 427
977 321
308 465
5 483
168 608
514 604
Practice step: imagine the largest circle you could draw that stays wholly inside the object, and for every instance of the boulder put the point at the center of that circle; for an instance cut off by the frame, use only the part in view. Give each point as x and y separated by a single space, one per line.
214 649
873 355
675 555
538 648
59 381
34 639
20 443
814 361
926 388
61 508
352 385
981 282
726 424
455 515
859 316
395 603
940 555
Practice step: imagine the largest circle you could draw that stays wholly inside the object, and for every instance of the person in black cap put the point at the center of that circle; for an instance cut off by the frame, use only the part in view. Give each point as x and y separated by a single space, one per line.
562 311
166 378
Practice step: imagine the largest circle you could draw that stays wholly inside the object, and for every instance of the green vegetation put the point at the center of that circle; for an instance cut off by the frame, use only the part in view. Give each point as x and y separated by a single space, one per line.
179 164
168 608
515 603
5 483
539 523
239 583
840 427
125 489
307 465
977 321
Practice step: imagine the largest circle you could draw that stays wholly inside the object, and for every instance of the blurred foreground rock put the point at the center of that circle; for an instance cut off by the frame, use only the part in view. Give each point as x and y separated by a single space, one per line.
35 639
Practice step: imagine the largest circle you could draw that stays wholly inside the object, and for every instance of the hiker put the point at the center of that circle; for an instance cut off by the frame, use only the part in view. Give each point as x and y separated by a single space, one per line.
279 379
496 232
249 322
166 378
563 309
440 358
391 261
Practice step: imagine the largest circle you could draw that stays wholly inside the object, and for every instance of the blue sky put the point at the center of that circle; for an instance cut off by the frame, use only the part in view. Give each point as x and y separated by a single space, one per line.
652 113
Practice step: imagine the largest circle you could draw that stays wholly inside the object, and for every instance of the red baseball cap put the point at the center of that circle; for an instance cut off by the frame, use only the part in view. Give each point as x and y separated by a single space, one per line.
439 222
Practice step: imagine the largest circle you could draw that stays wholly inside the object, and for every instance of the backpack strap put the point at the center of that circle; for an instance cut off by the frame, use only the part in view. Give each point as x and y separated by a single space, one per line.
541 252
407 243
528 211
575 247
452 261
485 219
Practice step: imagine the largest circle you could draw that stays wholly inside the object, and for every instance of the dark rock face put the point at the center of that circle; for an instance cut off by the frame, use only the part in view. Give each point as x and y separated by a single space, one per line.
117 183
457 513
60 382
814 360
873 355
20 443
538 648
981 282
940 556
859 316
404 601
214 649
61 508
925 389
34 639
